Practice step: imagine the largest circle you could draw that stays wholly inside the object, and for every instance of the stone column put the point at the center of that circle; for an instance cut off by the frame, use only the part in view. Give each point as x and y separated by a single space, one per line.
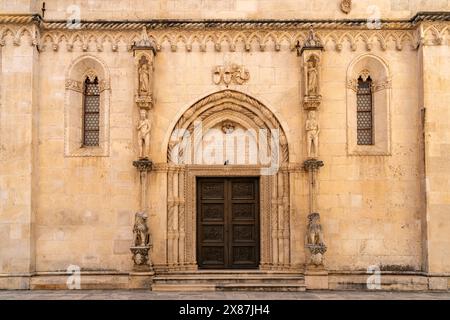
144 54
434 58
311 59
19 114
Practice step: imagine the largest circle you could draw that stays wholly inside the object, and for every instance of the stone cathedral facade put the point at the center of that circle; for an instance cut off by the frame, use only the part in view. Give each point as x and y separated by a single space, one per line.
225 145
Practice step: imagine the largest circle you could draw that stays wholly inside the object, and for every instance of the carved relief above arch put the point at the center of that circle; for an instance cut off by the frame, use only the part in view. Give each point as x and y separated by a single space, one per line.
216 106
228 113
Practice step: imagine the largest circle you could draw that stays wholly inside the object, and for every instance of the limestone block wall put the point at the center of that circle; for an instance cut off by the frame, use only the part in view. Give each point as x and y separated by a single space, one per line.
18 158
436 96
57 209
371 205
86 204
228 9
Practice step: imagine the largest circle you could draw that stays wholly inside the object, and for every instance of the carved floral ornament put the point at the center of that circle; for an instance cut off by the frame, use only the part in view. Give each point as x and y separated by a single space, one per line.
376 85
346 6
78 86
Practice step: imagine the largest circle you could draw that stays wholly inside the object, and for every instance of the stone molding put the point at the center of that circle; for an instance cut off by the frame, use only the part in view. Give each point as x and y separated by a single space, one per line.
424 28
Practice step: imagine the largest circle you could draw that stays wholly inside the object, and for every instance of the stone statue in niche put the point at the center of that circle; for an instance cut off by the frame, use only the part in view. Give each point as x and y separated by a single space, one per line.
313 78
144 77
144 129
140 230
312 135
314 239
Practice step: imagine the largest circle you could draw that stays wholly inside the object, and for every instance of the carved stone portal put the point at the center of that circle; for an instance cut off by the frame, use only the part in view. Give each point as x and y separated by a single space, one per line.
275 220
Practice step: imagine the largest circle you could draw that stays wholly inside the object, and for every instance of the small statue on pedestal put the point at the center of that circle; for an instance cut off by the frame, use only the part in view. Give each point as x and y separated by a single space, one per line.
312 135
144 129
313 78
141 244
140 230
314 239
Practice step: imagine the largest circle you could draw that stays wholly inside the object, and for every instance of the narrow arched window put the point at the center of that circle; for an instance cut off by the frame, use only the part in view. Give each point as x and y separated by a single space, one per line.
365 112
91 113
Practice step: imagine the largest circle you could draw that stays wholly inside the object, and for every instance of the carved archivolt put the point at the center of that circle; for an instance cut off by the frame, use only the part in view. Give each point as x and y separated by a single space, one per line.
237 102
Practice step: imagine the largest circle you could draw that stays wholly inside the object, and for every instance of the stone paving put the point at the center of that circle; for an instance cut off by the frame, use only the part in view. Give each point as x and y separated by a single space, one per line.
148 295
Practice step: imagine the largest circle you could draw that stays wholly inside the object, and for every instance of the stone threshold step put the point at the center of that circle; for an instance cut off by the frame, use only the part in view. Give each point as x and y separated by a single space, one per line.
275 287
229 279
269 287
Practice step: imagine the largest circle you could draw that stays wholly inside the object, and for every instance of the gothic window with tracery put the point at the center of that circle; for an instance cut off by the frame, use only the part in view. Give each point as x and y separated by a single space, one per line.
365 112
91 113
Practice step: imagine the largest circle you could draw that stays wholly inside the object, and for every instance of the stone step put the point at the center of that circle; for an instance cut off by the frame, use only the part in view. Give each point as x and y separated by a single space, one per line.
266 287
230 281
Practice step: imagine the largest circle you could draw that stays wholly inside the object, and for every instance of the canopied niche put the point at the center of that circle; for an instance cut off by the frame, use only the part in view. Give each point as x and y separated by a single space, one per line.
218 122
375 69
85 67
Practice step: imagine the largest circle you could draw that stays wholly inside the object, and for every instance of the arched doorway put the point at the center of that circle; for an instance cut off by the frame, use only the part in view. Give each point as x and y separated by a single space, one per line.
228 135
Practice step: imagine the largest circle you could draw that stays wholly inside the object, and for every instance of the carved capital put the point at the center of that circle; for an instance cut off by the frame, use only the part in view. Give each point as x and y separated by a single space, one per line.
312 164
352 85
143 165
74 85
380 86
312 102
144 102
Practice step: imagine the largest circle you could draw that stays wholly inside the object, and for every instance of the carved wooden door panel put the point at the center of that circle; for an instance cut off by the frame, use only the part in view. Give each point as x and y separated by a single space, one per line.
228 223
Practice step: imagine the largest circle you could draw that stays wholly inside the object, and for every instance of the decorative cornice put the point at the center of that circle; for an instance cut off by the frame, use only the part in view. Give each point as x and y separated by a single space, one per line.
223 24
225 34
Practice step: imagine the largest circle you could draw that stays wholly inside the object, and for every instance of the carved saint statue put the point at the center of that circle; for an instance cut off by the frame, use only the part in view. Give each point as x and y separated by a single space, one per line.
140 230
313 79
315 234
144 78
144 129
312 134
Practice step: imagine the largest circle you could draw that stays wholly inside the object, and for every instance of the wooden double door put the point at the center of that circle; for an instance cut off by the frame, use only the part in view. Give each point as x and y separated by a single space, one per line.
228 223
